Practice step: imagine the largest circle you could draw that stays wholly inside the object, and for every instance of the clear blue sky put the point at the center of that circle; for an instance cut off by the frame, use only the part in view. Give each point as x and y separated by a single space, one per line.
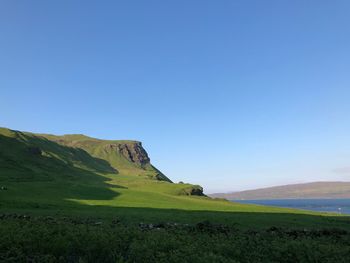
228 94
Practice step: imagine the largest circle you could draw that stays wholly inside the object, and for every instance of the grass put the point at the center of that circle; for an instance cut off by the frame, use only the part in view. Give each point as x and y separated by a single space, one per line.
137 199
48 239
72 204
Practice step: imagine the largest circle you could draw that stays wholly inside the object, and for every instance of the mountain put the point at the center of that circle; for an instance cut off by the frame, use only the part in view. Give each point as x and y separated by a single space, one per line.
122 155
73 198
75 160
77 174
24 154
293 191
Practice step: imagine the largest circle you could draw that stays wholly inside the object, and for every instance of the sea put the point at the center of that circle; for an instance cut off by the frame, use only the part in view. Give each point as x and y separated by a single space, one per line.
340 206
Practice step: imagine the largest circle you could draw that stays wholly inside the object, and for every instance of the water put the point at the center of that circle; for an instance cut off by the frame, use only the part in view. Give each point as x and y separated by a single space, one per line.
341 206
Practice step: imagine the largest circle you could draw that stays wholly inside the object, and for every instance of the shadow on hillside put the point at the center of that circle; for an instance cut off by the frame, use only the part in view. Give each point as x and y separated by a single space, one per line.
71 155
61 172
34 188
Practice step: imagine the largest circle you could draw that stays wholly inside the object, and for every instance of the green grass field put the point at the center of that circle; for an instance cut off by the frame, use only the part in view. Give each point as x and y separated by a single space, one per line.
134 200
64 190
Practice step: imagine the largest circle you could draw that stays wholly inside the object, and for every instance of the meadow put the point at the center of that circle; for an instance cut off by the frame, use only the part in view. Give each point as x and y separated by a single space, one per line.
139 220
83 200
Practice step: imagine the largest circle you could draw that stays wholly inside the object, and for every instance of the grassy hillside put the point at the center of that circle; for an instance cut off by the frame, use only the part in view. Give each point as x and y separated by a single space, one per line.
127 157
295 191
73 198
48 169
24 150
74 172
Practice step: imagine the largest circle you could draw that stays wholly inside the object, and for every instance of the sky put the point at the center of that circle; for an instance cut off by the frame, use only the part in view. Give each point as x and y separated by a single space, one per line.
231 95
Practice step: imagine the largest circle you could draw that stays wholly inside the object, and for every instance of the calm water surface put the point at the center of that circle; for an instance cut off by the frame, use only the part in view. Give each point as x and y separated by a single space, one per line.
341 206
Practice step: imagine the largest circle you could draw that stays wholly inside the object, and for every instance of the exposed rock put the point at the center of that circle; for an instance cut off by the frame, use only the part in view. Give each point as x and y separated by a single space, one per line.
192 190
133 152
197 191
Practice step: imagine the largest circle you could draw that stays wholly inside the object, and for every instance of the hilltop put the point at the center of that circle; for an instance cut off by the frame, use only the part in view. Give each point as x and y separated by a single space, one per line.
293 191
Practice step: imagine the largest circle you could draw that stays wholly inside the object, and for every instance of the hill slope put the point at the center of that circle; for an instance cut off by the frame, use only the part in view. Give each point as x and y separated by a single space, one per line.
76 161
307 190
124 156
79 175
36 154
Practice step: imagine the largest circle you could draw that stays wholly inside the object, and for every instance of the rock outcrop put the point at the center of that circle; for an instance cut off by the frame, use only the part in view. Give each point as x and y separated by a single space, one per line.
133 152
192 190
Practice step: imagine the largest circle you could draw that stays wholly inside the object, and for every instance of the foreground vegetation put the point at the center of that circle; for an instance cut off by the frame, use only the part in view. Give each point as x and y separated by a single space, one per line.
51 239
78 199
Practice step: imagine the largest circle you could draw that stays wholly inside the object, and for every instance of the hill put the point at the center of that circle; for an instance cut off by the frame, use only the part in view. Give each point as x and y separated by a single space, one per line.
77 162
293 191
73 198
26 154
75 173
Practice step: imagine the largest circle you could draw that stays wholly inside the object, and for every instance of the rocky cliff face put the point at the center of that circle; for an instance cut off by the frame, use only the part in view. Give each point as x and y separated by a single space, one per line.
133 152
123 155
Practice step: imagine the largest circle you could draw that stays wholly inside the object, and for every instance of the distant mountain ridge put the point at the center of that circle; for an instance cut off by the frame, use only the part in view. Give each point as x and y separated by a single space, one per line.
293 191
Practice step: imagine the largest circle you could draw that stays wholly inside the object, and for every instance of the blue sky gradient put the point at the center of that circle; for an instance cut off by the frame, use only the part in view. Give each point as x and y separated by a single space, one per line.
231 95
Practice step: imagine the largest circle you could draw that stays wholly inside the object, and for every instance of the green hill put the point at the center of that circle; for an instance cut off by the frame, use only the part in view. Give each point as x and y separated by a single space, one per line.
76 174
73 198
27 154
41 169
